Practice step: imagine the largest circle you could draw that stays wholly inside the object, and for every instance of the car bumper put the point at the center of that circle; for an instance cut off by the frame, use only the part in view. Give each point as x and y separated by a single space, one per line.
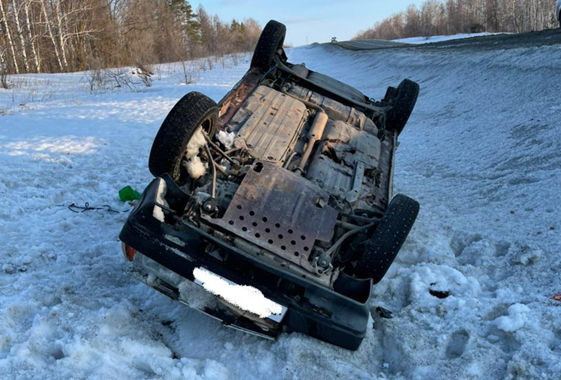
180 248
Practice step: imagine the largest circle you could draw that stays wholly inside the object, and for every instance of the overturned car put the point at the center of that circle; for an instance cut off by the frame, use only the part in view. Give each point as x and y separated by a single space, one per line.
277 201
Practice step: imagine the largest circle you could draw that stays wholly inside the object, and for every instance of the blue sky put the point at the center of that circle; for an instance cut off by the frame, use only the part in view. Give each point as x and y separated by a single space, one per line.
310 20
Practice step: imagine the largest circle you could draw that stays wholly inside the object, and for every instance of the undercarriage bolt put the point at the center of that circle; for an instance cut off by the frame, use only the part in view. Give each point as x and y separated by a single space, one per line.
324 261
210 206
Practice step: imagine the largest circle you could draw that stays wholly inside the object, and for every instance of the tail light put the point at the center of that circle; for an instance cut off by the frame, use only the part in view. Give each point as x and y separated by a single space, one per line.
129 252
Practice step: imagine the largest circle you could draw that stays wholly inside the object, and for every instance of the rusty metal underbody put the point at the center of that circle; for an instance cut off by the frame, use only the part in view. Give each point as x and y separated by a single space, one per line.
281 212
296 184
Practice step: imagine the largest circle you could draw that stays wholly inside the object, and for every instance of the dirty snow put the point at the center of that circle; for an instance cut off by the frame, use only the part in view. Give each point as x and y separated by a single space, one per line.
226 138
195 167
481 154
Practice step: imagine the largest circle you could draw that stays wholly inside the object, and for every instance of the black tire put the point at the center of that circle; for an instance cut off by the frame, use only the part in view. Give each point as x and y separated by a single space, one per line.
271 40
391 92
403 104
386 241
170 145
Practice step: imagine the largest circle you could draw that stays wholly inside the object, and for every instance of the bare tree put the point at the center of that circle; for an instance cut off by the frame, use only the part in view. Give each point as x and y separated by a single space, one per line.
9 35
68 35
3 69
61 33
23 51
464 16
51 34
31 38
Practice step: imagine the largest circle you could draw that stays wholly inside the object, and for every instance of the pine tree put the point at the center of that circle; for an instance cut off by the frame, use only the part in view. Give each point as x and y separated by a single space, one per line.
189 25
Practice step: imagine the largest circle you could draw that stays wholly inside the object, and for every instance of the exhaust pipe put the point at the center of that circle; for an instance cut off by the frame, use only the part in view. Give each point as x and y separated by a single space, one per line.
314 135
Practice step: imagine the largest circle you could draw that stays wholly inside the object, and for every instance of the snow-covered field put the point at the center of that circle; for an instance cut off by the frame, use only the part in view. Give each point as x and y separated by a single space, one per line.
481 154
431 39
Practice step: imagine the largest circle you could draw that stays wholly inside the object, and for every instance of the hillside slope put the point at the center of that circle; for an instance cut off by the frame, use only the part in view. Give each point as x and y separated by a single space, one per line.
481 154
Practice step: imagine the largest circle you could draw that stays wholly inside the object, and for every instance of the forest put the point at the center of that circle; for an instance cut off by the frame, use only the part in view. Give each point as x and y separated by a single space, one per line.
435 17
53 36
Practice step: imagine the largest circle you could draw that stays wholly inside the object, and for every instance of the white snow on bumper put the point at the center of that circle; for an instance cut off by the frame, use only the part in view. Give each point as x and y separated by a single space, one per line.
244 297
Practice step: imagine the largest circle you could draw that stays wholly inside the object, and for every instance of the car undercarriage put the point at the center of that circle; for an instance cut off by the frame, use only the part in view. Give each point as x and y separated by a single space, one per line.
284 187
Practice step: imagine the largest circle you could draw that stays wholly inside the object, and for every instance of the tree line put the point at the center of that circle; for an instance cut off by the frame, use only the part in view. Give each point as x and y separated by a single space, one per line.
52 36
436 17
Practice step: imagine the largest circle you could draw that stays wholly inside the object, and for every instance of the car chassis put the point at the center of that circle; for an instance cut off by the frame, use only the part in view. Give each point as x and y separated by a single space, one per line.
289 193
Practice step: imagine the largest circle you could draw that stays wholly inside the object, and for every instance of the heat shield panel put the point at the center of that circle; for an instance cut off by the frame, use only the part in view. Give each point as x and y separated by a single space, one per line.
268 124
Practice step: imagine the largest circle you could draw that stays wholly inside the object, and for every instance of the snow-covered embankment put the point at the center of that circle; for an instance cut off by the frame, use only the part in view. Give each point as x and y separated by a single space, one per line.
481 154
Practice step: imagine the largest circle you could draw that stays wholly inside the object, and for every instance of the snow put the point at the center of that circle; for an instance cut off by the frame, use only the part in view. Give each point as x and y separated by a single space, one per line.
197 142
481 154
226 138
195 167
246 298
431 39
158 213
516 319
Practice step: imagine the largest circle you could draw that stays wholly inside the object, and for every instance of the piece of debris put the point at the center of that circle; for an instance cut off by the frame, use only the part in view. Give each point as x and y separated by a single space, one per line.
557 297
80 209
384 313
127 193
439 293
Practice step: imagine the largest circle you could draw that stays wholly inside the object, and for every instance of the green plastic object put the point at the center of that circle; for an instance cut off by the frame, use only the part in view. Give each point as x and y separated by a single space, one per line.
128 194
